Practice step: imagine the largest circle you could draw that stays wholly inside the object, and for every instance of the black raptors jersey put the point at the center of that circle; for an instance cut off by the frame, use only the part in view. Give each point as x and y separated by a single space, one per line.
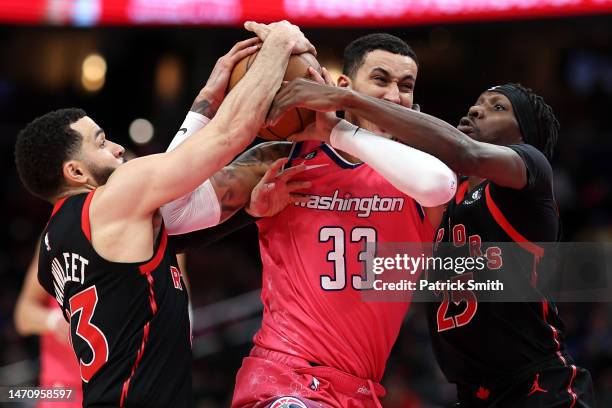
485 342
129 325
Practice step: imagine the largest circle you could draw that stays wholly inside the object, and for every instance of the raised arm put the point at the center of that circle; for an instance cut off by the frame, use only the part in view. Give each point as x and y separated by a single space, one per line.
146 183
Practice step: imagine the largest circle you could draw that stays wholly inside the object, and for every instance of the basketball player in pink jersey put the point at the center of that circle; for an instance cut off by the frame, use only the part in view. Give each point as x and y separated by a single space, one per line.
320 344
37 313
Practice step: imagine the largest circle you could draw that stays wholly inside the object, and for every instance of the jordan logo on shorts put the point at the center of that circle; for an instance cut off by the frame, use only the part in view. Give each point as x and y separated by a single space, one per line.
536 386
483 393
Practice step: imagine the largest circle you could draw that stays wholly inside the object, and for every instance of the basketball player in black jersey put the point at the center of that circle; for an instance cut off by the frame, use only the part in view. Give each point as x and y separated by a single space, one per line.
105 254
498 354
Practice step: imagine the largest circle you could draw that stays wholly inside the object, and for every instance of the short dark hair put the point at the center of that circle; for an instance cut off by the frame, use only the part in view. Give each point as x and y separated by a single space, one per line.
43 146
355 52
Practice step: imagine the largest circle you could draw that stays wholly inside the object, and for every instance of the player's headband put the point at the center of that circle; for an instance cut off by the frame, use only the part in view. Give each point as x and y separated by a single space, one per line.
523 111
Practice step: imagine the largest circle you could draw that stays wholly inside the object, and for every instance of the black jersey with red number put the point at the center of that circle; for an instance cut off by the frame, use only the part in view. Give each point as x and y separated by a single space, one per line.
129 324
479 342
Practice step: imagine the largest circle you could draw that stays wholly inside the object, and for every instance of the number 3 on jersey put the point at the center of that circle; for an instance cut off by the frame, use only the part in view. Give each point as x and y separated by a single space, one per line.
85 302
338 256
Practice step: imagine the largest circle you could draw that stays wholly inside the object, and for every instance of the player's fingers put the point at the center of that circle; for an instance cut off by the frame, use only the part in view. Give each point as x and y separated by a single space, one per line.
245 53
305 134
273 170
327 77
316 76
287 174
298 185
249 42
263 193
261 30
299 198
298 137
311 48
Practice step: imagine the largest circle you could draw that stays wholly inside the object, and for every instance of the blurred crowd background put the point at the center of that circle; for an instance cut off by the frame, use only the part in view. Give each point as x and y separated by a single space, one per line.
138 84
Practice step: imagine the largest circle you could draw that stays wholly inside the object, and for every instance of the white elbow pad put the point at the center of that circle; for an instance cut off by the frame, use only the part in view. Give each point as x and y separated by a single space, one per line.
415 173
194 211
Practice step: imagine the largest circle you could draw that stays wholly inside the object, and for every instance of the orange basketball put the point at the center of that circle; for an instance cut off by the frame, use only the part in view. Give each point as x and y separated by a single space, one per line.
294 120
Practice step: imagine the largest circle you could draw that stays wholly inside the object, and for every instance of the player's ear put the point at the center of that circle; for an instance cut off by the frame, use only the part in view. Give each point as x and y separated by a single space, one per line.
75 173
344 81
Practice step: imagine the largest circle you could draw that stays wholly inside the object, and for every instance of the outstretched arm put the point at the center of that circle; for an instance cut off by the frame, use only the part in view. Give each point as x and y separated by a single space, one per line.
500 164
424 132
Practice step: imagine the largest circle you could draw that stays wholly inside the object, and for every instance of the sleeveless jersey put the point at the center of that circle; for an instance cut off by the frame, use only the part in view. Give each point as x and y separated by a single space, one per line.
129 324
481 342
313 265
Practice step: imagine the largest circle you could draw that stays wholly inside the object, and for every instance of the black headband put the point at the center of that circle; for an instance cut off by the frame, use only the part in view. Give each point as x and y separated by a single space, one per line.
523 111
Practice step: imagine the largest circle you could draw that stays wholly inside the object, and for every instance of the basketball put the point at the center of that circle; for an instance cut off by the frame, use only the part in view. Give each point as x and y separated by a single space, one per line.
294 120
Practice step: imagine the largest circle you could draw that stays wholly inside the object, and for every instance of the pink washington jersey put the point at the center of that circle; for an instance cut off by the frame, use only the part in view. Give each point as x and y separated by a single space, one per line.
313 265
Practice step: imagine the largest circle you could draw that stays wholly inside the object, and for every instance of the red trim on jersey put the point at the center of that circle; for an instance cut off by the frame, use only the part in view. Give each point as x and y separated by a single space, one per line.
461 192
555 332
85 226
148 267
570 390
126 384
503 222
57 206
152 301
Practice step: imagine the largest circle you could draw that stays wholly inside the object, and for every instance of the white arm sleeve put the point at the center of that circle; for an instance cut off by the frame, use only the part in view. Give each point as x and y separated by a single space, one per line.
192 123
196 210
420 175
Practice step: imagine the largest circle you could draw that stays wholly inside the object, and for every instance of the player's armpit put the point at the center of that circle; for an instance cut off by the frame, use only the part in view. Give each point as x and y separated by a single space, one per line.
233 184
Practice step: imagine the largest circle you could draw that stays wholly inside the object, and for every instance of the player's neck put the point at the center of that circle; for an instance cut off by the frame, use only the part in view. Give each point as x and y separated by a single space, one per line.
72 192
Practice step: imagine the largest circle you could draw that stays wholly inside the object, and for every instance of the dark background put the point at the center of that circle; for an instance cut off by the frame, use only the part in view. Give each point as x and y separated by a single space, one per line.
154 73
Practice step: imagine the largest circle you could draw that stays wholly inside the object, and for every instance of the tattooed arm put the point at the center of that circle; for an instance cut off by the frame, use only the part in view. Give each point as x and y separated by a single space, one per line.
225 192
233 184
